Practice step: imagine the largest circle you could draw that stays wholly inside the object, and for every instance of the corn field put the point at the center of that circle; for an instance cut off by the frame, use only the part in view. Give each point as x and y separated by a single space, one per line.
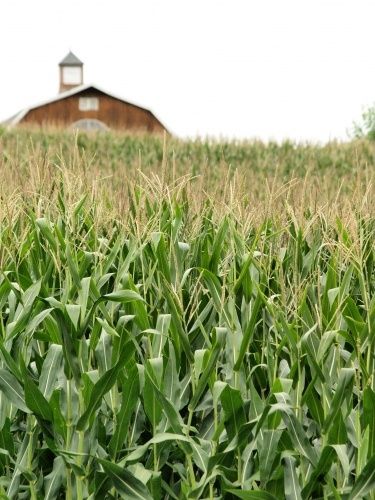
183 332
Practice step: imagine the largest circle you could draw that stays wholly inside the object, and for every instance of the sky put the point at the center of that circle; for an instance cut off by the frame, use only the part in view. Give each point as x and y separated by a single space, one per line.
302 70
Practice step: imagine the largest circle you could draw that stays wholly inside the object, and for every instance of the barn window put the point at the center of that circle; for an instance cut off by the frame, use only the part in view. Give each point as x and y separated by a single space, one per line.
72 75
88 104
90 124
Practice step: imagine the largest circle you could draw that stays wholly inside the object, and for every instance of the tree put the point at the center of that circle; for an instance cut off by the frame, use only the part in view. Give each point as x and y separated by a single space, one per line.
366 127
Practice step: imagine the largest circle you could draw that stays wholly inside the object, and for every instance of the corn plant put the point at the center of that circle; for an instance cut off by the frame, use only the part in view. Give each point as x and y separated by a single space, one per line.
185 352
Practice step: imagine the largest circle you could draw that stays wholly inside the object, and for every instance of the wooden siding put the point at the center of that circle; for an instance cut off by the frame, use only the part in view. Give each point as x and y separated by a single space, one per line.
115 113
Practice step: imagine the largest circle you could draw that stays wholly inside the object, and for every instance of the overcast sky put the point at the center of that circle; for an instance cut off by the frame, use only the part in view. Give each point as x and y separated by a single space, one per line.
270 69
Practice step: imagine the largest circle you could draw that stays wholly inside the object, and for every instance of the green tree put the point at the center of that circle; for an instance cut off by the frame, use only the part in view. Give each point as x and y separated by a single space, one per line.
366 126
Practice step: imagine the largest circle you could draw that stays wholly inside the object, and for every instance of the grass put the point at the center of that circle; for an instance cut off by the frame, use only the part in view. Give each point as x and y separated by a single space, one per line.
191 330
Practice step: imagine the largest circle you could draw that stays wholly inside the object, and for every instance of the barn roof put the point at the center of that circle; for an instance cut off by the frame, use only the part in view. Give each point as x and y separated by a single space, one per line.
15 119
71 60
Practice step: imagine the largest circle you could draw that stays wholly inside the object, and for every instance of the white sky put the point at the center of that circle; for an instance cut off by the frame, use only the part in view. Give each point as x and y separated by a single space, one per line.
271 69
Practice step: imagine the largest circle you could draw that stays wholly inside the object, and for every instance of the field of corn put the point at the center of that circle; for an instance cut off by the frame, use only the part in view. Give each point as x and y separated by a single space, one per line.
186 320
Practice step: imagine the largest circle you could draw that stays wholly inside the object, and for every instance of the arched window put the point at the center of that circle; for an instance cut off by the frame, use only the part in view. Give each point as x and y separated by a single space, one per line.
89 124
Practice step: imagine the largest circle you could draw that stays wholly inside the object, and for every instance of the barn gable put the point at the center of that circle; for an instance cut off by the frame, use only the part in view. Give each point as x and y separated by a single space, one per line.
89 102
86 105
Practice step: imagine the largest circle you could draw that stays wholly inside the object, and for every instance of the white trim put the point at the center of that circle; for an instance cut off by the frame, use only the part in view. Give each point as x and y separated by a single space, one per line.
16 118
68 93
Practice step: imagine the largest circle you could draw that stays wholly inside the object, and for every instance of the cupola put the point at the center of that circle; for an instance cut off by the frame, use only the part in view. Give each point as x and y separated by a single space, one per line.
71 72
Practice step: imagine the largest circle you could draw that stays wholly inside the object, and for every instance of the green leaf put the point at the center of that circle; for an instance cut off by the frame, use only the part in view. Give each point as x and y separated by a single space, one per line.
130 393
153 376
291 482
123 296
72 265
217 246
83 295
124 482
344 387
177 325
50 370
20 466
21 320
104 384
44 226
314 404
37 320
369 418
59 423
297 434
267 442
73 311
162 437
54 480
214 355
249 332
215 289
160 252
234 411
35 400
169 410
252 495
337 433
29 296
11 363
365 483
342 455
12 389
321 468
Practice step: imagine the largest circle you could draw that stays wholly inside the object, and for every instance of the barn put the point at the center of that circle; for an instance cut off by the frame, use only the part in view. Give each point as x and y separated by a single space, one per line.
86 106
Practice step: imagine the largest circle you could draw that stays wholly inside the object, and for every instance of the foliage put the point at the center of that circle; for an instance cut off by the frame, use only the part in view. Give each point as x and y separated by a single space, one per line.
169 346
366 127
110 153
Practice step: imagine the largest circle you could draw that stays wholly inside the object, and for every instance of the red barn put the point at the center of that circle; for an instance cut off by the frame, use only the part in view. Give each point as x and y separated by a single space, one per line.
86 107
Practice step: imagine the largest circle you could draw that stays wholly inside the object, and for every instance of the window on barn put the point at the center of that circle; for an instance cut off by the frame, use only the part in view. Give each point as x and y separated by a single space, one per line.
88 104
90 124
72 75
